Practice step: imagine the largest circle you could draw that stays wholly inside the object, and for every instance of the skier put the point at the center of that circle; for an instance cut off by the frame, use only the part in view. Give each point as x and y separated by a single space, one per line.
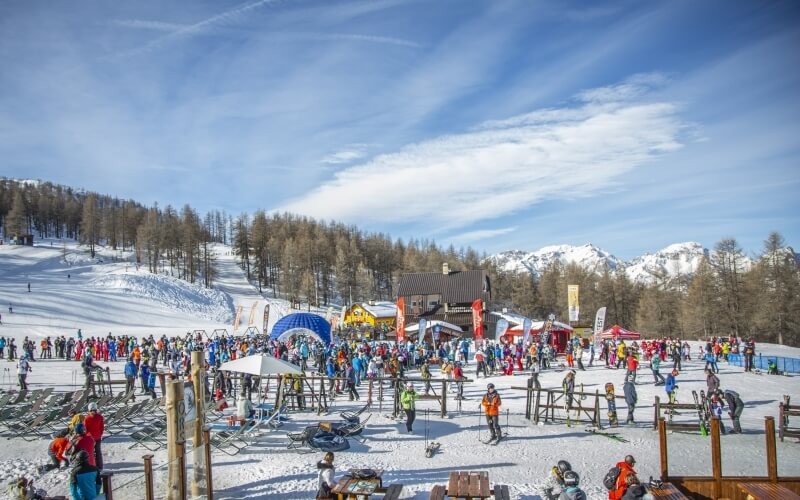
749 354
716 410
735 407
458 376
84 478
655 364
571 489
632 365
23 367
568 385
491 406
95 426
630 397
671 385
408 400
621 484
425 374
555 481
480 359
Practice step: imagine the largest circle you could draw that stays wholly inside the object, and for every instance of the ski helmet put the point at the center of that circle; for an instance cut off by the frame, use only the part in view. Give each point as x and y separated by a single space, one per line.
82 457
563 466
490 386
571 478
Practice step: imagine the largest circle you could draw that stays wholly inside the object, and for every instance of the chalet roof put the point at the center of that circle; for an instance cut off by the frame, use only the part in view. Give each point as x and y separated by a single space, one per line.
381 309
455 287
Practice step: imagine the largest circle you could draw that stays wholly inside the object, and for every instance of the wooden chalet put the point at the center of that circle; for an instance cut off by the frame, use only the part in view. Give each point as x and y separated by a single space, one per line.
371 314
447 296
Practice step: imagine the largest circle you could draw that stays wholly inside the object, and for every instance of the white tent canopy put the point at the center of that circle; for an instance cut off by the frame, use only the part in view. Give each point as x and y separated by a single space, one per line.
260 364
430 324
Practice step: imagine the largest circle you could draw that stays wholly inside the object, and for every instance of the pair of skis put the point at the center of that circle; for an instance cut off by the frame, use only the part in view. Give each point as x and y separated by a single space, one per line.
610 435
701 414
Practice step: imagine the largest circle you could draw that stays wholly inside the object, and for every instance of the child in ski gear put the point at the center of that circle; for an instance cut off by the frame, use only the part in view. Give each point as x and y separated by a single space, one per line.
555 481
82 441
58 446
621 484
655 365
735 407
325 480
84 479
568 385
408 400
715 407
491 407
458 376
571 489
712 382
671 385
630 398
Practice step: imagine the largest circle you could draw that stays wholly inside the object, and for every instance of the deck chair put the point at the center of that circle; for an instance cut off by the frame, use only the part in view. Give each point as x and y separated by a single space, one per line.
25 429
229 442
7 397
301 440
20 397
351 430
354 416
152 437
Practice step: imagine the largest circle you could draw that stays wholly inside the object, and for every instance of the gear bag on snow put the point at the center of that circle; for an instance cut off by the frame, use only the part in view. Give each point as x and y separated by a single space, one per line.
610 479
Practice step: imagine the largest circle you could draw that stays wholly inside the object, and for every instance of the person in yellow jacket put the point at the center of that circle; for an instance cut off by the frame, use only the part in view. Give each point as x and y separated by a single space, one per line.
491 407
408 399
620 353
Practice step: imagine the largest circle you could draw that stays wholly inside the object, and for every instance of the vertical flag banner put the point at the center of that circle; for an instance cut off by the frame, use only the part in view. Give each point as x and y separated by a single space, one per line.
599 321
477 319
343 316
401 320
526 330
435 332
572 302
266 318
423 325
502 326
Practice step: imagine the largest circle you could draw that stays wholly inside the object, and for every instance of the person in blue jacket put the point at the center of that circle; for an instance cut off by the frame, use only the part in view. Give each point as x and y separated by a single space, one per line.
84 479
130 375
671 385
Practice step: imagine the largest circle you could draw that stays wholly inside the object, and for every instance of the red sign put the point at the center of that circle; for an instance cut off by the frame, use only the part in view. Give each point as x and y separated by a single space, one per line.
477 318
401 320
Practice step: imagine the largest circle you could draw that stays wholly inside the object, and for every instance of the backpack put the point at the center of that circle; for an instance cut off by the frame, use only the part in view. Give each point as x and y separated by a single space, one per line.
610 479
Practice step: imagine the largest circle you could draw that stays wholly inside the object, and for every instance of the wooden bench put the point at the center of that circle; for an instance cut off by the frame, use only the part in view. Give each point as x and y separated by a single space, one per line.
438 492
501 492
767 491
668 491
473 484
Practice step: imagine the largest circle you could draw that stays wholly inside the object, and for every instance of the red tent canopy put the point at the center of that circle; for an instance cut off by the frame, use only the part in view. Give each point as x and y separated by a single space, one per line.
617 332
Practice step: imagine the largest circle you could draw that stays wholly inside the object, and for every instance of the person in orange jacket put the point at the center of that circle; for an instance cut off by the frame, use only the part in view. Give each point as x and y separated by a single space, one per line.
58 446
625 469
491 407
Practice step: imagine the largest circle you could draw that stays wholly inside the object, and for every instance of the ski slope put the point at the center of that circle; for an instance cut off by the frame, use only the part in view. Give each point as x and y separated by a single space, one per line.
113 296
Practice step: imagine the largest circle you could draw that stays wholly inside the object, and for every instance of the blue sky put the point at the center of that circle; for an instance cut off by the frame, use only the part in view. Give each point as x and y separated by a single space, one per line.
495 124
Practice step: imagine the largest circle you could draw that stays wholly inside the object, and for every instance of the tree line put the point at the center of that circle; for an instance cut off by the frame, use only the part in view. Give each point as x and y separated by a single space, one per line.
325 263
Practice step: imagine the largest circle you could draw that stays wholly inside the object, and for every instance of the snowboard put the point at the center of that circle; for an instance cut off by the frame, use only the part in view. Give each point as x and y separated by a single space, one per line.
612 405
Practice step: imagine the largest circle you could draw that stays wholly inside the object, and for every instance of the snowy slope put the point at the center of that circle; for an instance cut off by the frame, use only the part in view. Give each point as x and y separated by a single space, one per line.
113 296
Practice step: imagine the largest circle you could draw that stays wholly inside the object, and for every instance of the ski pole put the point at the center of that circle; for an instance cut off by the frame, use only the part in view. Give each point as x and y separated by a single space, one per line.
480 420
507 413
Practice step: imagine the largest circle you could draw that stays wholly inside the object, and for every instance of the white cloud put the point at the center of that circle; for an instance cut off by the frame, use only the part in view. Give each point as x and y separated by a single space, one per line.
502 167
148 25
482 234
349 154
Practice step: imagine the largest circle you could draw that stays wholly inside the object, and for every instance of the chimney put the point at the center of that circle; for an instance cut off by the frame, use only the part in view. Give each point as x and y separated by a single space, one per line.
445 268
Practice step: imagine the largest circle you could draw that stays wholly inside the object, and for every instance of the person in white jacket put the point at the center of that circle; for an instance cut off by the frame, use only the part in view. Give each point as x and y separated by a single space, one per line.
325 476
23 367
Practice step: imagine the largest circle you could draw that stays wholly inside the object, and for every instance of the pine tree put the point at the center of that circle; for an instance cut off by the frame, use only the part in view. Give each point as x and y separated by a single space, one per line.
90 223
17 217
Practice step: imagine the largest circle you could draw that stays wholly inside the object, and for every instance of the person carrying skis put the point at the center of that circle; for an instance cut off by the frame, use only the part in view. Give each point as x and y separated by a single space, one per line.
735 407
621 484
408 400
671 385
630 397
491 407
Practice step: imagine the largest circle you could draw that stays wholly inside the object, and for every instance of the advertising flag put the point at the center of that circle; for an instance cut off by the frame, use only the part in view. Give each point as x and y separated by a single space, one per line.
423 324
572 302
502 326
266 318
477 319
599 321
526 330
401 320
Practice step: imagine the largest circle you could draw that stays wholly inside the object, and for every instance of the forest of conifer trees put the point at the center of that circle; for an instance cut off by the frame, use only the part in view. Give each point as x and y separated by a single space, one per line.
322 263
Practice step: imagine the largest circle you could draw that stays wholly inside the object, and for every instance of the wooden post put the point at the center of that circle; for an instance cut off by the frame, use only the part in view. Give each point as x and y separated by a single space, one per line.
782 408
662 441
207 450
148 477
598 420
772 457
528 399
536 406
444 398
108 490
657 417
176 409
198 457
716 457
395 398
181 446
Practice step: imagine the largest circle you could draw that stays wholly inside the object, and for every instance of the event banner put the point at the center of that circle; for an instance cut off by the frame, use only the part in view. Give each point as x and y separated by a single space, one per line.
401 320
572 302
502 326
526 330
423 324
266 319
477 318
599 321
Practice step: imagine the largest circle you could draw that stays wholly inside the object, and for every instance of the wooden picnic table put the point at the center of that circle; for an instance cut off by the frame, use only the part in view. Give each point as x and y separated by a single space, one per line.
668 491
469 484
767 491
378 474
349 487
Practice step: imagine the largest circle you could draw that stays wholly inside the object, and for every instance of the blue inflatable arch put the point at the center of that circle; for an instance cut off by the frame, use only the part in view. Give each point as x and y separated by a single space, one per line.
310 324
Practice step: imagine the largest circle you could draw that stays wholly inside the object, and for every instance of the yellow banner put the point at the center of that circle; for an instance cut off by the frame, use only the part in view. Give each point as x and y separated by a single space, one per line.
573 303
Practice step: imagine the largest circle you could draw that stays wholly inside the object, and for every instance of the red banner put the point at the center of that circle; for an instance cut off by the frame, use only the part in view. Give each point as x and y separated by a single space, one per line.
401 320
477 318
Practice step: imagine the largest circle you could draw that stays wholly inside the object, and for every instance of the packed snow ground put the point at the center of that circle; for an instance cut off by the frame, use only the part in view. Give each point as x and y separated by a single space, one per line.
96 301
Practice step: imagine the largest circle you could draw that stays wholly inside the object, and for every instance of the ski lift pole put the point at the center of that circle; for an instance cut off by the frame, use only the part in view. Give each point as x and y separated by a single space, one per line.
507 413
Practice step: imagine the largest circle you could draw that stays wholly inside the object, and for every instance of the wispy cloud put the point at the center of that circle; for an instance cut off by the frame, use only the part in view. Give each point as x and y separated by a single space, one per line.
364 38
148 25
349 154
482 234
456 180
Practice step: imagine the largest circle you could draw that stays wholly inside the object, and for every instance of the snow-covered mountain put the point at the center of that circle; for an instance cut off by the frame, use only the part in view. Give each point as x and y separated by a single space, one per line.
674 260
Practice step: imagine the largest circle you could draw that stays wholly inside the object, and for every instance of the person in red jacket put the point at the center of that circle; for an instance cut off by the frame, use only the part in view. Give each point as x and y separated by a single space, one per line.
625 470
95 426
632 365
82 441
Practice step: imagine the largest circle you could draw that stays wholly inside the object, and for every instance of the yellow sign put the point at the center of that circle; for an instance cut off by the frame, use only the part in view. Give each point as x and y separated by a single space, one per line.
573 302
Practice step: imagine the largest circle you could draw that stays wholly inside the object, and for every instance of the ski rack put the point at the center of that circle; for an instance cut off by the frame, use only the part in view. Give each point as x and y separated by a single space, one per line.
537 411
785 411
691 426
